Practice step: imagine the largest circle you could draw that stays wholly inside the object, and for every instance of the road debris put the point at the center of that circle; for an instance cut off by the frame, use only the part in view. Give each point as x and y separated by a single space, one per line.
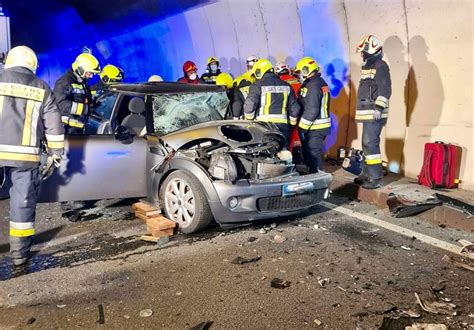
61 306
401 206
101 319
323 281
30 321
414 314
202 326
317 322
279 283
279 238
262 231
251 239
456 263
146 313
426 326
436 307
406 248
273 225
467 248
241 260
440 286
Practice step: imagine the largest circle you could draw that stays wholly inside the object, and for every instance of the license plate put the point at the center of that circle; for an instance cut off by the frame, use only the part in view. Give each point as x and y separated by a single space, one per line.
297 188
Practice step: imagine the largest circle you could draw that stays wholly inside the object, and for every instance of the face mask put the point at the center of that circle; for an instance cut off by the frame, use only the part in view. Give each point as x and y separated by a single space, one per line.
213 67
193 76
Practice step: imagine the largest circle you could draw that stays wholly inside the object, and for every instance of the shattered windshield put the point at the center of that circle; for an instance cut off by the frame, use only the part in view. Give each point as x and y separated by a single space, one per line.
172 112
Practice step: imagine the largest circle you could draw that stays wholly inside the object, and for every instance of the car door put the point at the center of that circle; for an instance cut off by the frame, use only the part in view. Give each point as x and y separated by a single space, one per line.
98 166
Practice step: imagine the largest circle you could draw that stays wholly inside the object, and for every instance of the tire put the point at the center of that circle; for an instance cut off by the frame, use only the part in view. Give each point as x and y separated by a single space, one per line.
185 202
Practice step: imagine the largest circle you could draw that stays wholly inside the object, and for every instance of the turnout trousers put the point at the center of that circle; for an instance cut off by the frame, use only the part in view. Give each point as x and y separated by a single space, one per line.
372 166
312 144
23 196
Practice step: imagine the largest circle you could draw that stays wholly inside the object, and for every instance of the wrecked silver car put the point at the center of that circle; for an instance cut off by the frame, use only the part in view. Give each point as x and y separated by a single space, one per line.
169 142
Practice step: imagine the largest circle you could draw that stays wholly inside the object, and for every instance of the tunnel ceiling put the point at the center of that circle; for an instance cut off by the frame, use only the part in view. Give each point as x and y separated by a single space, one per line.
34 23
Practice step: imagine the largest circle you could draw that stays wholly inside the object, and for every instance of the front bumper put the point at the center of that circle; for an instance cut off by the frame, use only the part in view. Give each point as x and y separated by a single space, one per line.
270 198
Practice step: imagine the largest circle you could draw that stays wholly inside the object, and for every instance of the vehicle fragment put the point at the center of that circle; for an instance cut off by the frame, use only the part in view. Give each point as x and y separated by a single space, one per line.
401 206
279 283
241 260
436 307
146 313
279 238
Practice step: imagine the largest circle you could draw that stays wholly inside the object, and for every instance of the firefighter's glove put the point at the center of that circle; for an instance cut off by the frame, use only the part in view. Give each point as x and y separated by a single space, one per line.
377 114
52 162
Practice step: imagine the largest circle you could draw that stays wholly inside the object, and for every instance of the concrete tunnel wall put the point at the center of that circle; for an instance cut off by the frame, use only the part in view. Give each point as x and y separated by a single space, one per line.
428 45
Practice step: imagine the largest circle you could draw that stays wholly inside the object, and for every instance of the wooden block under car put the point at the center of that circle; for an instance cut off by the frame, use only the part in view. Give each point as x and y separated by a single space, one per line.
160 222
160 226
145 208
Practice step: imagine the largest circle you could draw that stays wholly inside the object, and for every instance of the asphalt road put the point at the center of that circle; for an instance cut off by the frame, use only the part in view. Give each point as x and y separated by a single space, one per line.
343 273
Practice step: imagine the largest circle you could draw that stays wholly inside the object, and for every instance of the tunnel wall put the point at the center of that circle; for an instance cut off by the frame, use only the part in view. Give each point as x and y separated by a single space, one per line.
428 45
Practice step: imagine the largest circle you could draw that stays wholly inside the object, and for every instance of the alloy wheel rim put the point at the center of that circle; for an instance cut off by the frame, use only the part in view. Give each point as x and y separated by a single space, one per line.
180 202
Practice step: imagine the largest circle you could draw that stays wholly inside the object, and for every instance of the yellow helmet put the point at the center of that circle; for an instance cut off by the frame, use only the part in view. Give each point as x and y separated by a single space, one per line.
212 59
261 67
225 79
22 56
306 66
86 62
110 73
245 76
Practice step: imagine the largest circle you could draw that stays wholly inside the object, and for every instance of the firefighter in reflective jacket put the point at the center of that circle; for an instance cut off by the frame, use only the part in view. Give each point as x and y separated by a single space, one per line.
28 116
242 88
271 99
73 93
110 74
375 89
315 123
212 71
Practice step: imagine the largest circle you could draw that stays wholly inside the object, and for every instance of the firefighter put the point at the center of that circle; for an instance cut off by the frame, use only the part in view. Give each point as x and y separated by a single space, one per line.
190 74
212 71
315 123
29 115
271 99
375 89
225 79
73 93
284 72
242 87
110 74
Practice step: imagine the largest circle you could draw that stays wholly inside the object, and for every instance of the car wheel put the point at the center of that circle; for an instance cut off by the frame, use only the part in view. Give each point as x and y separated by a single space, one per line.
184 201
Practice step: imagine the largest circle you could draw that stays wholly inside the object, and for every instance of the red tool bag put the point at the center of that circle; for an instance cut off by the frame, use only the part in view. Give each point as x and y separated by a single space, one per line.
440 165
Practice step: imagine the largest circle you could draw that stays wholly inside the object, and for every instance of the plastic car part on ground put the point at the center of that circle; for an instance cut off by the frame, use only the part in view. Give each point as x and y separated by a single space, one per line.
400 206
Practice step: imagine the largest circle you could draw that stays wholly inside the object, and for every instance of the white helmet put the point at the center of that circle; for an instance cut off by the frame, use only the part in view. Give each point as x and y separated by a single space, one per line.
369 44
251 60
155 78
22 56
281 67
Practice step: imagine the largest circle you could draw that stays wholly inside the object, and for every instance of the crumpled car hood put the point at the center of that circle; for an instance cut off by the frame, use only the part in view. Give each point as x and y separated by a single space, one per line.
235 133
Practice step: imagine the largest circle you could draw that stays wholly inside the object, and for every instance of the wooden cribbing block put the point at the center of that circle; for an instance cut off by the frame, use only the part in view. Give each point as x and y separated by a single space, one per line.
160 226
141 216
145 208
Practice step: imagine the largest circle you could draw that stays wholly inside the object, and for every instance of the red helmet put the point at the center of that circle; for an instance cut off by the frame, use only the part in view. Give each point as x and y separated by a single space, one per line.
189 66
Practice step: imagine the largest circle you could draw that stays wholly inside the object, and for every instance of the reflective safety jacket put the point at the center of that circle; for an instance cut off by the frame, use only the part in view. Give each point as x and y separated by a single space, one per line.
293 81
209 77
375 89
73 96
314 99
272 100
28 115
241 91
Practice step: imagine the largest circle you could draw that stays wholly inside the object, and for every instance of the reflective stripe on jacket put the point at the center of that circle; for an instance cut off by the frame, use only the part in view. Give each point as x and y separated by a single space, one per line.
375 89
273 100
73 96
315 101
28 115
241 91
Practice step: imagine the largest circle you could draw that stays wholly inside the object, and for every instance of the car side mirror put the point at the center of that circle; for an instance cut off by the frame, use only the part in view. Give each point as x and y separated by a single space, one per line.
123 134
